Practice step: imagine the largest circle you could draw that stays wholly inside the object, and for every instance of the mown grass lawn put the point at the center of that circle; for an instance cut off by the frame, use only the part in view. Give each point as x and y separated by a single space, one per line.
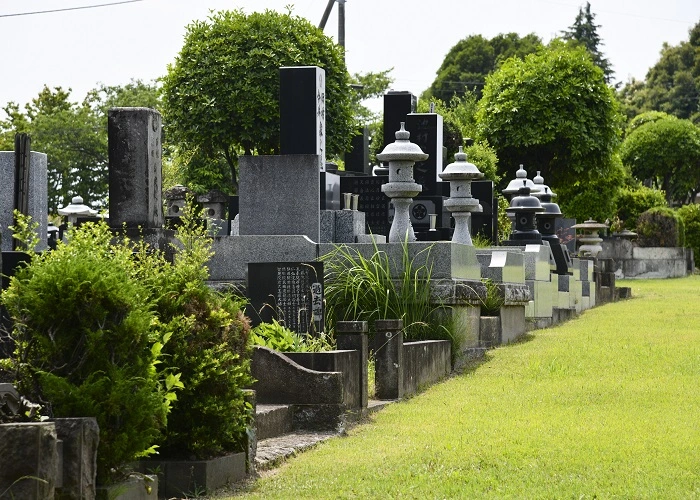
607 406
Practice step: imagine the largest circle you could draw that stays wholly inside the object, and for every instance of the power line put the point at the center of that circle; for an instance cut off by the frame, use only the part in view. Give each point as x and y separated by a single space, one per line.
69 8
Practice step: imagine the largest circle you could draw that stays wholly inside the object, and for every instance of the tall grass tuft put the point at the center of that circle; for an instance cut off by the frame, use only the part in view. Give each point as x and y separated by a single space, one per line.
360 288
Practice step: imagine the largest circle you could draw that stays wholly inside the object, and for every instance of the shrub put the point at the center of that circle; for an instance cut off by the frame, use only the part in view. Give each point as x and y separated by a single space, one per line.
690 215
633 201
660 227
280 338
208 345
86 346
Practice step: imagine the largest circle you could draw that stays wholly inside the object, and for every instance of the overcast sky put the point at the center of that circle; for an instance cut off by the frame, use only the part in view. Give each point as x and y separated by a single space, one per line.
79 49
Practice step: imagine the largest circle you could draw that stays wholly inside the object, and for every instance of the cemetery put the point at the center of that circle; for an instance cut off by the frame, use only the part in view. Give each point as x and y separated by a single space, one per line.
302 243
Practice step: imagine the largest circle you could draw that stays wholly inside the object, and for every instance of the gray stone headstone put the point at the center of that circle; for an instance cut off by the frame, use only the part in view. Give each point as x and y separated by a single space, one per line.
135 177
38 196
279 195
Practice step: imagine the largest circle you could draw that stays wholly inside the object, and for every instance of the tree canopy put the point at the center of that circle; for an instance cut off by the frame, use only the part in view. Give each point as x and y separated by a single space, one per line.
467 64
672 85
666 151
554 112
221 96
74 136
584 31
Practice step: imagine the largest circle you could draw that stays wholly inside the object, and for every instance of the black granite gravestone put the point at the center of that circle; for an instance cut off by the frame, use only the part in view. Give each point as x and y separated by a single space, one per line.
426 132
372 201
397 104
290 292
357 159
303 111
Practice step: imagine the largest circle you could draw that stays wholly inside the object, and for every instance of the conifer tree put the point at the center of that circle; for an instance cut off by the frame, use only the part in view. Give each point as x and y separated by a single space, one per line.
584 32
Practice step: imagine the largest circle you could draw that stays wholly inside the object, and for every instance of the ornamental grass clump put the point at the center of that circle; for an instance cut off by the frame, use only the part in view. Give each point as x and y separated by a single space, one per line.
360 288
86 345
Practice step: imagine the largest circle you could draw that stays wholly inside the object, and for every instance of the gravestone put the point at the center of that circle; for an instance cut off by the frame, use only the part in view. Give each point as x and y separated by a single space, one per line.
303 112
372 201
397 105
135 177
279 195
290 292
36 197
426 131
357 159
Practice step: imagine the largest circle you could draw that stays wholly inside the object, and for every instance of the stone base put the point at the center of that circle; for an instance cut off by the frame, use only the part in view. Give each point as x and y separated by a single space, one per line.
136 487
490 331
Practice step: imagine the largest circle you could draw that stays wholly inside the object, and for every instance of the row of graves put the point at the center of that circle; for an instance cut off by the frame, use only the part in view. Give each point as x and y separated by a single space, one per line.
293 209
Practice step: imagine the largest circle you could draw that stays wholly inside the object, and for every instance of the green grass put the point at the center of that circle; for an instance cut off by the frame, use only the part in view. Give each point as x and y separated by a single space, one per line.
606 405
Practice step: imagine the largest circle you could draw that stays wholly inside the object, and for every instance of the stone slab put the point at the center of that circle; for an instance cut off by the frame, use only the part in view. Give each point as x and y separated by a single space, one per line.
502 265
279 195
327 226
37 197
537 260
348 225
513 324
543 298
425 363
80 438
28 451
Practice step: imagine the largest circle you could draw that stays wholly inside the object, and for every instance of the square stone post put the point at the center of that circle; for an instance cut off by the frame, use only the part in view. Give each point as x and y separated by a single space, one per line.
388 358
135 176
352 336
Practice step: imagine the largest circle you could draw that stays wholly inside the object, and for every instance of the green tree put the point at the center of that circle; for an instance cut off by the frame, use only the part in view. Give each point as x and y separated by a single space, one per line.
74 136
553 112
666 151
221 96
467 64
368 86
672 85
584 31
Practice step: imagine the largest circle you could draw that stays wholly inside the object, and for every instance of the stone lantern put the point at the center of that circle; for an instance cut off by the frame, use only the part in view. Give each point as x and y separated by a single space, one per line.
460 175
524 208
401 188
516 184
590 239
76 209
541 187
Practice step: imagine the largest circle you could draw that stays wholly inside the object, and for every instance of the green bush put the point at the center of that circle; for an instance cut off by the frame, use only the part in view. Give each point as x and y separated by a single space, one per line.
279 338
208 345
660 227
690 215
86 345
633 201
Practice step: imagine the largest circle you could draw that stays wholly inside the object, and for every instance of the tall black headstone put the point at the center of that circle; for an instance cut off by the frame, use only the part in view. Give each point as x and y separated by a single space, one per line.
303 112
397 104
372 201
426 131
357 159
290 292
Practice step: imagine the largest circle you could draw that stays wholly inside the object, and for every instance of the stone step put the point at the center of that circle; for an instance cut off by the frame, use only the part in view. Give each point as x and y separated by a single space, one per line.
273 420
273 451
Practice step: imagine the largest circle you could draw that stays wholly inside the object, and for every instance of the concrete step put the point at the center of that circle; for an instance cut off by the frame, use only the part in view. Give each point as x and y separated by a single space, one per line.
273 451
273 420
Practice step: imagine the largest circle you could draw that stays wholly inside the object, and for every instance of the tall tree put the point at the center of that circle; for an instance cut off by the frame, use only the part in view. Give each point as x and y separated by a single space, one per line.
584 31
221 96
672 85
467 64
554 112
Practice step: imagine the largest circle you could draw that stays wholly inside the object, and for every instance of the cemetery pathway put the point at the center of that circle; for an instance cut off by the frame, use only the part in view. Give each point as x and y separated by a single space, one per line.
605 405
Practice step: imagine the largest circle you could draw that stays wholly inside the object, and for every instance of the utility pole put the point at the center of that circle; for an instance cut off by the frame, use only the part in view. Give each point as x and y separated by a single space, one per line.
341 19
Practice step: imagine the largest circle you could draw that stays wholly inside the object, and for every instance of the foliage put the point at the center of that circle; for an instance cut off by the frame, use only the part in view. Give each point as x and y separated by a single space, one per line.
538 419
491 305
368 86
553 111
361 288
467 64
665 150
221 96
25 231
280 338
660 227
86 345
584 32
505 226
632 201
73 136
690 215
208 346
672 85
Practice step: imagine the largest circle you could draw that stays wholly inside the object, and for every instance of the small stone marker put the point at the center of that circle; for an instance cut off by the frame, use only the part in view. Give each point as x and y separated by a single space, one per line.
290 292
